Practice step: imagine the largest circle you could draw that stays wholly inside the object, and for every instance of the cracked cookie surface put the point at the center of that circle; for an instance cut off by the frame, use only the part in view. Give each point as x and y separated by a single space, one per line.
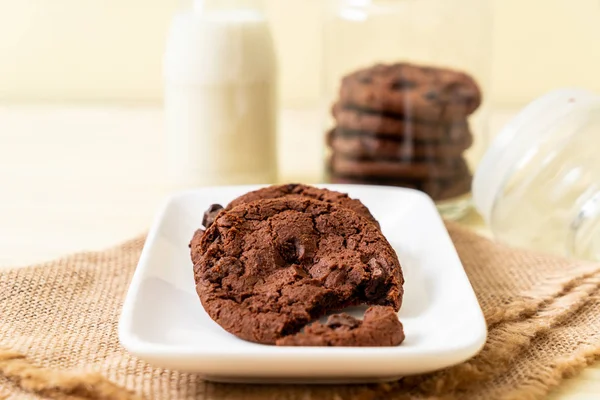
265 269
288 190
379 327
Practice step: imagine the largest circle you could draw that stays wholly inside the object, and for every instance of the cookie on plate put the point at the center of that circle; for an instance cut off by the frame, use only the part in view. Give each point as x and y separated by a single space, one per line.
267 268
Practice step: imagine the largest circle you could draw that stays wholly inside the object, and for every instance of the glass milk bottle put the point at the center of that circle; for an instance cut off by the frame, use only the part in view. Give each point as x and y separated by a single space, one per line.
220 95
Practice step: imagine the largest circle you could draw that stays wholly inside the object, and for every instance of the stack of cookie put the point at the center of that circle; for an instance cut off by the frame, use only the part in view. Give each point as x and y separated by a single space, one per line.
404 125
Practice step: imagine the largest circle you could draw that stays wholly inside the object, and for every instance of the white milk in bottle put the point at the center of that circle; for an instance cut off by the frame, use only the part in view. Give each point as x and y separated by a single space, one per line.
220 95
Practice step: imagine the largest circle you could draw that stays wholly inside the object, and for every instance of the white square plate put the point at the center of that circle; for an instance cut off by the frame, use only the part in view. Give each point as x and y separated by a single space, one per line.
163 321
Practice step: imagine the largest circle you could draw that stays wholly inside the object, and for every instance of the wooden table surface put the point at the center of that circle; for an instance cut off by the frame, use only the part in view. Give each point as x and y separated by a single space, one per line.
84 178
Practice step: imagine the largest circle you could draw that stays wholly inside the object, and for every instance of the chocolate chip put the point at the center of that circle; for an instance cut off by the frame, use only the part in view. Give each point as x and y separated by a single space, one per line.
288 252
338 320
378 279
365 80
300 250
403 84
211 214
292 251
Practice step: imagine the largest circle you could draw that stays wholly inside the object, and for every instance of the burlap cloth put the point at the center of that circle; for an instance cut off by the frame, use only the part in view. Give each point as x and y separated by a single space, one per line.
59 333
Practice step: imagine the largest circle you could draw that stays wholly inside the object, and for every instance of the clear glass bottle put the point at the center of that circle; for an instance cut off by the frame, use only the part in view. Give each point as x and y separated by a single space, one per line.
405 85
220 95
538 185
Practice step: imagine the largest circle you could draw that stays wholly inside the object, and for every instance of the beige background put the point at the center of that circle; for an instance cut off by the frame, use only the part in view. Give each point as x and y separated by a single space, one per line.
84 51
110 50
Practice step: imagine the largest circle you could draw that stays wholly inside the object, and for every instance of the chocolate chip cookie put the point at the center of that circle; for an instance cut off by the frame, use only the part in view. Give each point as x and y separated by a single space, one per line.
379 327
385 125
373 147
267 268
293 190
412 91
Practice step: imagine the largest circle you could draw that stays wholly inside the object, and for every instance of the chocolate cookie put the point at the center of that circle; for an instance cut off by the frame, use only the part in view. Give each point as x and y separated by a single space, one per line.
379 327
398 127
369 146
437 189
298 190
268 268
409 170
412 91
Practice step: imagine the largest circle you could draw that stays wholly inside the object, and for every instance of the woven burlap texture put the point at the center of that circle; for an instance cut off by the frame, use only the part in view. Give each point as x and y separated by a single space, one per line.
59 333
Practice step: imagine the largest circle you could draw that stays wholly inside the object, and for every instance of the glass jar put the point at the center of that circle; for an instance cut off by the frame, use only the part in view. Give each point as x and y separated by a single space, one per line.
538 185
404 89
